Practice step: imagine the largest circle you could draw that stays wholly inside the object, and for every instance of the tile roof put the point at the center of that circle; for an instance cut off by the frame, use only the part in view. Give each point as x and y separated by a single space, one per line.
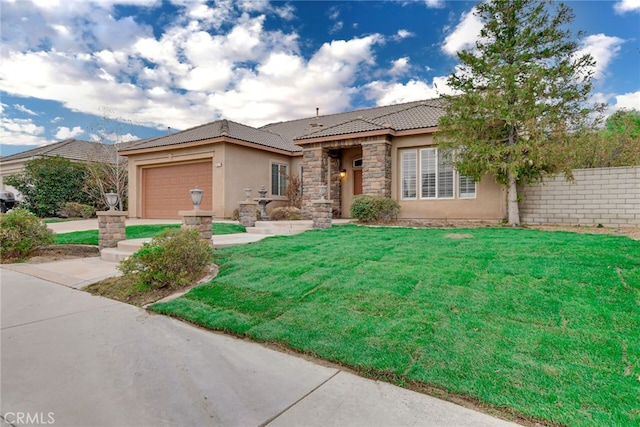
283 135
72 149
218 129
415 115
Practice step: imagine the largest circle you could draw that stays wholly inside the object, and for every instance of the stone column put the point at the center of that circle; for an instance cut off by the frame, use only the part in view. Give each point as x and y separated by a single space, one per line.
376 168
247 213
111 228
322 213
200 221
314 173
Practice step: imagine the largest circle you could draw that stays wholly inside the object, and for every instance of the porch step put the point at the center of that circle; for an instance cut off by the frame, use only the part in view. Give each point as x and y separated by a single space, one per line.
126 248
280 228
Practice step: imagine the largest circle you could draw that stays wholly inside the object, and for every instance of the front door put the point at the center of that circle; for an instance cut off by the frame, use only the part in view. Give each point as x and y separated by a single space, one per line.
357 182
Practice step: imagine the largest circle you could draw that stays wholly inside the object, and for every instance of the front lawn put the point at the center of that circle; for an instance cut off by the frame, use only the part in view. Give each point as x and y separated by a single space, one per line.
543 323
90 237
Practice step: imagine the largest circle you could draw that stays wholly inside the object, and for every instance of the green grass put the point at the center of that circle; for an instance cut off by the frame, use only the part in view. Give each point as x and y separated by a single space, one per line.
90 237
544 323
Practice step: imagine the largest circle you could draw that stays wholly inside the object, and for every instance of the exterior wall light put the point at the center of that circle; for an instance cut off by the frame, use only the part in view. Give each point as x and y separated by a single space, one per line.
112 200
196 197
343 173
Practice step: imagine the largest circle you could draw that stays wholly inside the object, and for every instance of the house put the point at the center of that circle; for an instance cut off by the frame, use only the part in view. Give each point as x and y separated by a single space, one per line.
386 151
73 149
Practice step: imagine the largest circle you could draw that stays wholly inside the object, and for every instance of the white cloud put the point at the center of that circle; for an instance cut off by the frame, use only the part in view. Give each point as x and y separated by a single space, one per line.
21 132
464 35
624 6
111 137
403 34
399 66
66 133
385 93
56 119
434 3
24 109
628 101
603 49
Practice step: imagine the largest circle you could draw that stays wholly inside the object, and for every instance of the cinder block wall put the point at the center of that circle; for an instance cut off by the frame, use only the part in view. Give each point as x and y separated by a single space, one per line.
607 196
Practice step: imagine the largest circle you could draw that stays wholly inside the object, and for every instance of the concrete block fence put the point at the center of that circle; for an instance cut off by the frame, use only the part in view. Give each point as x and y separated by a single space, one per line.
607 196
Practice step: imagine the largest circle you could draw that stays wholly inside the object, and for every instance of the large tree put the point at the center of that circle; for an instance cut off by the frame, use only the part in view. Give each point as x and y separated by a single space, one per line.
617 144
520 93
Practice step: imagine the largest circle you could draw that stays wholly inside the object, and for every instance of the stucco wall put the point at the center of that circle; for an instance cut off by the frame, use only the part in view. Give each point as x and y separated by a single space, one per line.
607 196
235 167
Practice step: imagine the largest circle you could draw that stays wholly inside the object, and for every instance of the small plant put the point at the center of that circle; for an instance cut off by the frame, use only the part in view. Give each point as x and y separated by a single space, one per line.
374 208
77 210
21 233
287 213
174 258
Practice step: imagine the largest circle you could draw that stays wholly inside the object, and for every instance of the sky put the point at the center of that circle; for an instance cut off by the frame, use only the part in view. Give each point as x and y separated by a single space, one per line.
118 70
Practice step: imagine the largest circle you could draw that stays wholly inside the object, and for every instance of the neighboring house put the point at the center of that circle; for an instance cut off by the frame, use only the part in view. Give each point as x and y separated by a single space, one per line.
385 151
72 149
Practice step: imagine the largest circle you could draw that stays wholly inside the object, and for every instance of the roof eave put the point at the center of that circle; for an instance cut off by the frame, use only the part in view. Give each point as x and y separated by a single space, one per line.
366 134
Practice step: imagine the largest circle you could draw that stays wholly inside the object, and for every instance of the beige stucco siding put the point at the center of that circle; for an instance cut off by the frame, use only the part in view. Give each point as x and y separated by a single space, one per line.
489 203
235 167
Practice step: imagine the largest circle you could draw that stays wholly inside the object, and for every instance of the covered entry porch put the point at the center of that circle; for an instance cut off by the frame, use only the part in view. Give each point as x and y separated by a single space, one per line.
347 167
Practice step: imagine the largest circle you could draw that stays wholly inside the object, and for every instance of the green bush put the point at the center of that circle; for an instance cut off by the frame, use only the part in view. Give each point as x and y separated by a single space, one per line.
374 208
77 210
174 258
21 232
287 213
49 182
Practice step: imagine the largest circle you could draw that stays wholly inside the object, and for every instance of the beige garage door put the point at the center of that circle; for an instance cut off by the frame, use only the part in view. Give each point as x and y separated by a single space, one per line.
165 189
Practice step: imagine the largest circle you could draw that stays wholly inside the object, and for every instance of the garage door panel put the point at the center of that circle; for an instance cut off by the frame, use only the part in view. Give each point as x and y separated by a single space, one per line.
165 189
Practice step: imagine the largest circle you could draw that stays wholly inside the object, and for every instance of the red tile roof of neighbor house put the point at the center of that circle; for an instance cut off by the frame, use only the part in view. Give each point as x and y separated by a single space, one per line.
283 135
72 149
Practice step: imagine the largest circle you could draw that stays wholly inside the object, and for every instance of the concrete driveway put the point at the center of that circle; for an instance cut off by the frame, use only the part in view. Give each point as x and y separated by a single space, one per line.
82 360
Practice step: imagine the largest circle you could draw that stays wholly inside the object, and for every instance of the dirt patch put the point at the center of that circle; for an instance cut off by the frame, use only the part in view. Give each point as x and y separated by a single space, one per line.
123 289
58 253
459 236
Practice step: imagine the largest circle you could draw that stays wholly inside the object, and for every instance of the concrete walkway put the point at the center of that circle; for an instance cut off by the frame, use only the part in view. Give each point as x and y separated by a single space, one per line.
91 361
84 360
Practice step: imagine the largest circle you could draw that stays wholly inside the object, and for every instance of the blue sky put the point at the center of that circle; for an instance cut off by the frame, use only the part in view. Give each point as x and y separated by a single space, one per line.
154 64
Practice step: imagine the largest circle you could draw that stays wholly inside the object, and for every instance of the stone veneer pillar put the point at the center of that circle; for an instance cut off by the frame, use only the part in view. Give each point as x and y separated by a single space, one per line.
376 168
111 228
247 213
322 213
314 173
198 220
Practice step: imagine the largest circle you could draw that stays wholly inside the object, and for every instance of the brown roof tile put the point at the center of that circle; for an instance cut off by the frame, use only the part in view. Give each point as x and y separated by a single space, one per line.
72 149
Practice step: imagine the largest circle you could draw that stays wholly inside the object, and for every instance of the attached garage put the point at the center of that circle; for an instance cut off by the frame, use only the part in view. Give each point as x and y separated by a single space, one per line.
165 189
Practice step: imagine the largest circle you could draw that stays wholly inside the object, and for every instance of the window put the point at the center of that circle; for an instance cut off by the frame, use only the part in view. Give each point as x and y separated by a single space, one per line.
408 171
437 176
278 179
466 187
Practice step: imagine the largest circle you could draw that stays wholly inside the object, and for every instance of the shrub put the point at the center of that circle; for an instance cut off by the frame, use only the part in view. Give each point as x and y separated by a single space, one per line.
49 182
174 258
21 232
373 208
77 210
287 213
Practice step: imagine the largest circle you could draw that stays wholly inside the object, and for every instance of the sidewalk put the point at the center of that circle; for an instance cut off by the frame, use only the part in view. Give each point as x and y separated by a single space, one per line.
89 360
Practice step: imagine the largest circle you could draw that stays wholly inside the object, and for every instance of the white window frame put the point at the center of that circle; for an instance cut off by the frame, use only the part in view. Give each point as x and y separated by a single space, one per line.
403 170
434 156
280 188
